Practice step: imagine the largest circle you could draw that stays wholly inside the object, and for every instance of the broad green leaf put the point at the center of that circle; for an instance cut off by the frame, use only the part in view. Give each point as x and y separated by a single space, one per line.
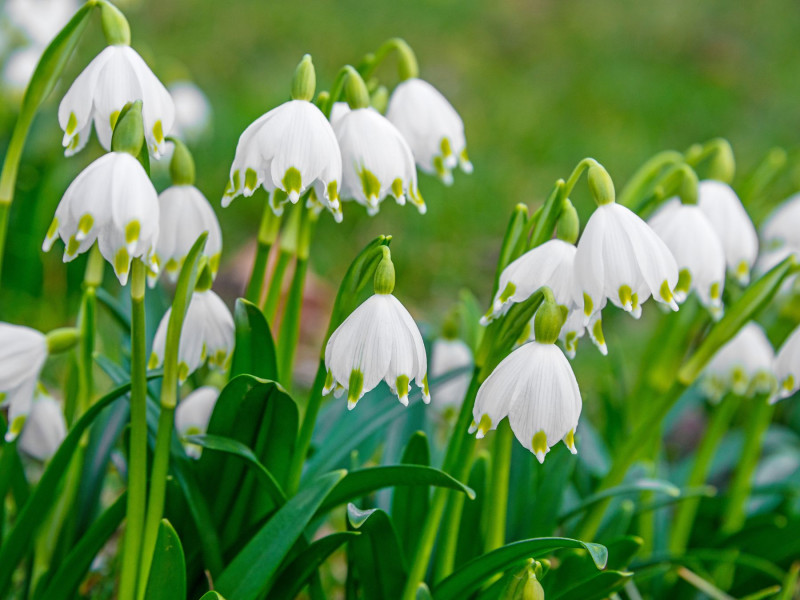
120 314
622 551
379 562
597 587
473 574
364 481
703 491
254 353
642 485
19 539
168 572
410 503
222 444
513 243
471 544
297 573
69 573
251 573
542 502
212 596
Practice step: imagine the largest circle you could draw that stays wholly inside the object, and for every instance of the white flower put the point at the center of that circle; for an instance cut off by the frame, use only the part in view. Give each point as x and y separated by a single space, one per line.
19 69
192 110
184 214
44 430
744 365
446 356
193 414
787 365
733 226
535 388
378 341
431 126
697 249
338 110
376 160
782 227
116 76
574 328
40 20
114 202
207 335
619 258
288 150
22 355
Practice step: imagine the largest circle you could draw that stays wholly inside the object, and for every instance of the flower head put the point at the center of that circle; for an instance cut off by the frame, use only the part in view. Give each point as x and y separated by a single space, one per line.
781 229
787 366
733 226
287 151
697 249
193 414
207 335
192 110
448 355
116 76
431 126
744 365
184 214
44 430
377 161
619 258
23 352
114 203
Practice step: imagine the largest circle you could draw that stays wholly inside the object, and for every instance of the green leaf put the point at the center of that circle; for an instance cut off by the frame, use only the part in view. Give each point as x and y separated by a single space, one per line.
292 579
19 539
364 481
470 546
254 353
410 503
71 571
252 571
168 572
378 560
642 485
597 587
513 242
223 444
551 480
473 574
621 551
212 596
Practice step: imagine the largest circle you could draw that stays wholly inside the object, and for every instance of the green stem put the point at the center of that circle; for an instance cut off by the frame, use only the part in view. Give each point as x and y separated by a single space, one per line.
637 187
267 233
687 510
448 538
91 281
456 463
137 459
757 425
276 287
498 500
5 209
407 65
306 431
290 323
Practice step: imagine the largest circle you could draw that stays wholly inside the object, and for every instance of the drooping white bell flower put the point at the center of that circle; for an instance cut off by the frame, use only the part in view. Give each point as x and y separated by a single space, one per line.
19 68
376 160
621 259
787 366
782 227
192 110
431 126
574 329
733 226
207 335
116 76
23 352
193 414
112 202
44 429
697 249
744 365
184 214
448 355
378 341
40 20
535 388
287 151
338 110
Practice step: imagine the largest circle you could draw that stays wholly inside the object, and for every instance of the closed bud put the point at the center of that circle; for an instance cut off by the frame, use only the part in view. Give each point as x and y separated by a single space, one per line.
525 584
181 167
115 25
384 274
61 340
722 166
129 131
380 99
355 90
548 320
304 83
569 224
600 184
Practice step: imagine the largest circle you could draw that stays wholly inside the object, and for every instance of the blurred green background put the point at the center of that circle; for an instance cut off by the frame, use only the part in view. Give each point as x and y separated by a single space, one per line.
539 84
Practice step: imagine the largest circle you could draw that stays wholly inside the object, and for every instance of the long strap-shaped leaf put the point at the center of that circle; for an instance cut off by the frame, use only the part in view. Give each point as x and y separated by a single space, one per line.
471 575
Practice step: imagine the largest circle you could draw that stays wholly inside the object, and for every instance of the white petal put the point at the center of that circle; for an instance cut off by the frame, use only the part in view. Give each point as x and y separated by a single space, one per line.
45 429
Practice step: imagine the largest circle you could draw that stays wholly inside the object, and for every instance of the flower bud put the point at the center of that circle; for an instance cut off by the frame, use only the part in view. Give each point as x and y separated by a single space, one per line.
115 25
600 184
549 319
384 274
355 90
380 99
525 584
569 224
129 130
722 166
304 83
181 167
407 67
61 340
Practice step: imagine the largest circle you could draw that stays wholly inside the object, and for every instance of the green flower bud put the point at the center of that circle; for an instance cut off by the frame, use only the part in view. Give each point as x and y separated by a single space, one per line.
355 90
407 67
380 99
129 131
722 164
61 340
525 584
181 167
549 319
384 274
569 225
600 184
304 83
115 25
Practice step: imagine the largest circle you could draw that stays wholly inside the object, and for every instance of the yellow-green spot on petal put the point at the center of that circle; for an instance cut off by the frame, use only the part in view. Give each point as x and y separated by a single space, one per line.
213 262
464 156
85 224
72 123
183 371
72 246
539 442
172 265
292 181
354 387
425 388
219 358
153 362
53 229
570 439
250 179
333 191
17 424
193 430
788 383
402 386
132 231
597 332
742 270
76 140
447 149
588 305
684 281
666 293
155 260
158 132
329 380
571 339
438 166
236 180
625 296
112 118
508 291
121 261
397 187
484 426
370 184
716 293
635 301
